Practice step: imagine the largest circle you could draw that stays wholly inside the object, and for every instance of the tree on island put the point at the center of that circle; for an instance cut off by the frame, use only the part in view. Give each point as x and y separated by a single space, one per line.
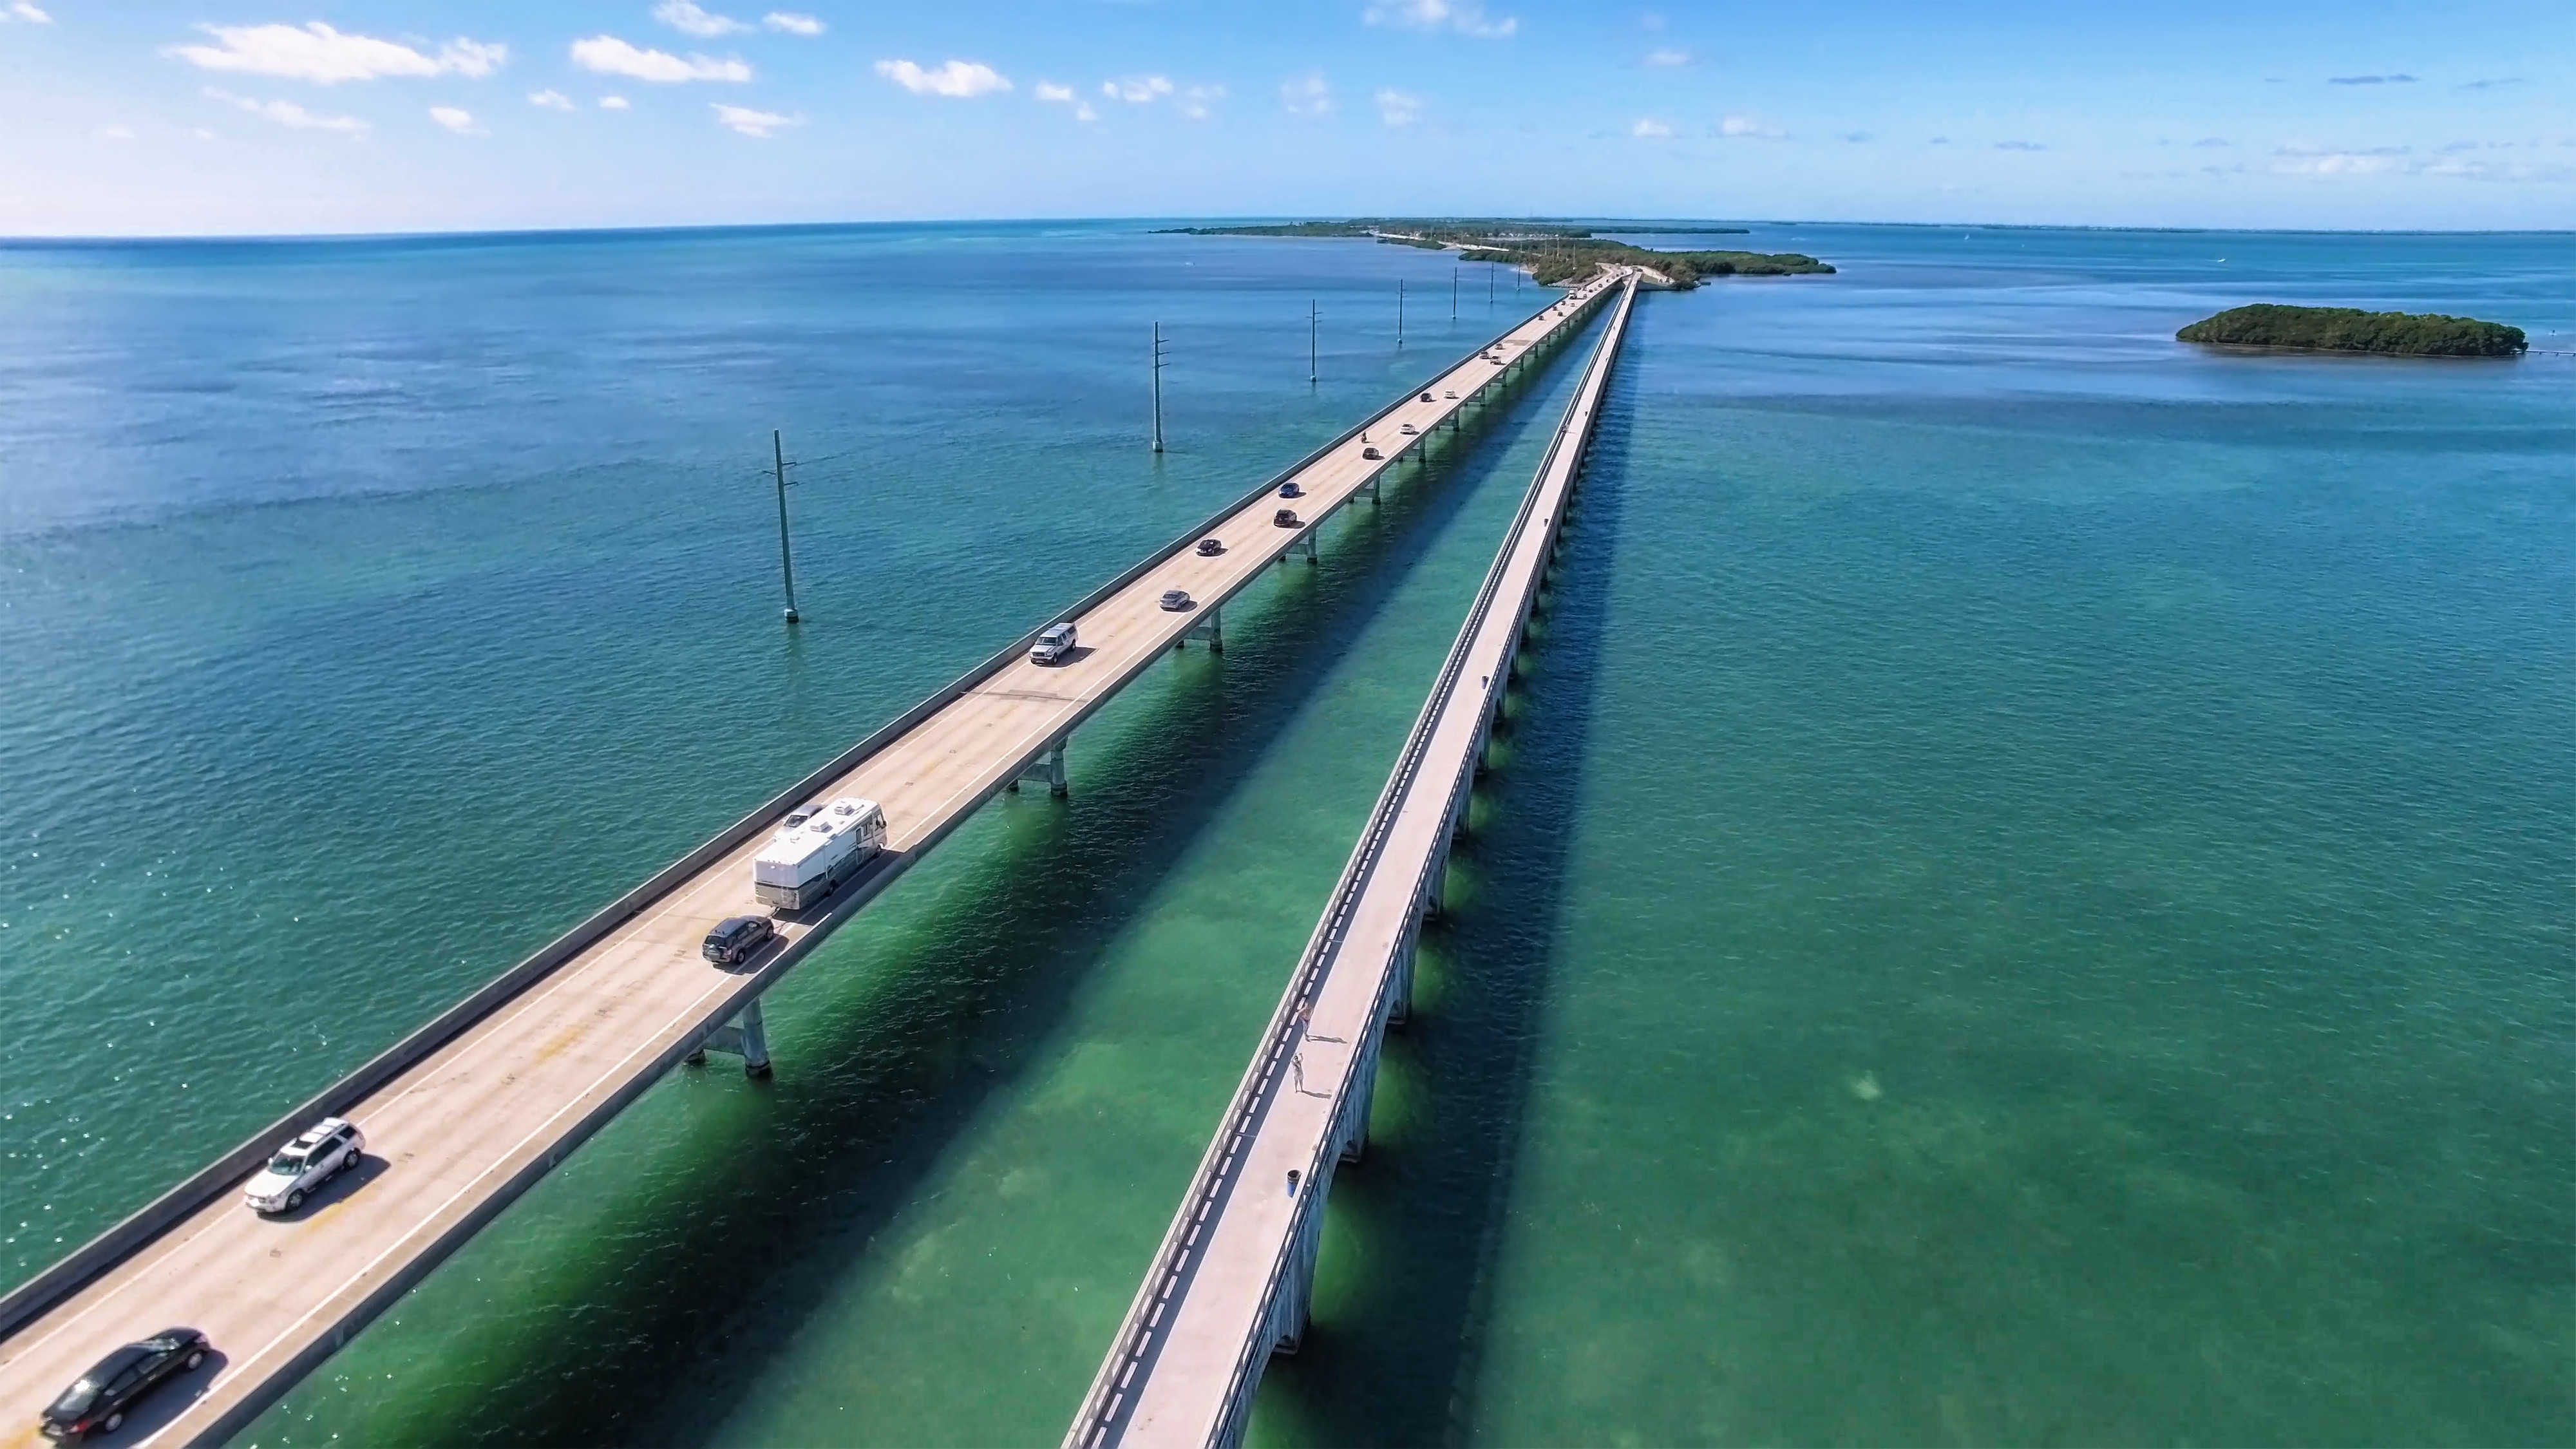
2349 329
1552 252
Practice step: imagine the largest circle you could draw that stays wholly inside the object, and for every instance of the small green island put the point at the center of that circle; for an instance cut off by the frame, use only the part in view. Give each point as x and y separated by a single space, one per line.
1552 253
2349 329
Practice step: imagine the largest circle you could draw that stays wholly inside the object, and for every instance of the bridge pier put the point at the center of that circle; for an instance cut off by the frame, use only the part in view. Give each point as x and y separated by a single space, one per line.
742 1037
1305 544
1211 627
1048 765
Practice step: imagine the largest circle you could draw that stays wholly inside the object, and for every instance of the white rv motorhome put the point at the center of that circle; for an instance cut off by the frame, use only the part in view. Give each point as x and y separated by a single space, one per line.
815 850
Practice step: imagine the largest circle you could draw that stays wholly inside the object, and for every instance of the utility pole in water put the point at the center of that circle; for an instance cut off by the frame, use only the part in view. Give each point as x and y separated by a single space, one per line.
1314 321
786 562
1158 387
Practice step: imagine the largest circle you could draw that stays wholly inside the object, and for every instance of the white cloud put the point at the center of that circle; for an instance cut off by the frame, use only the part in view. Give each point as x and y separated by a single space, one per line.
2020 146
30 12
550 100
1747 127
1398 109
117 133
687 18
1467 17
461 122
608 55
318 53
2300 158
1667 58
1137 90
202 134
1307 95
793 23
963 79
1056 95
288 113
1196 100
748 122
1650 129
614 103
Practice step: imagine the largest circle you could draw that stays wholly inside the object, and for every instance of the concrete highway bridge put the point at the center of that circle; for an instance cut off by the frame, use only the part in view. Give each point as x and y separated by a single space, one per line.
466 1113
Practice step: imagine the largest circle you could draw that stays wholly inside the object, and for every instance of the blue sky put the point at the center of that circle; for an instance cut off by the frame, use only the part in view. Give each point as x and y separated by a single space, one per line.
300 116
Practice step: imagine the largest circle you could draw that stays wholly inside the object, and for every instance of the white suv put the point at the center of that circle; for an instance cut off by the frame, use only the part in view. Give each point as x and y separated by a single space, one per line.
327 1149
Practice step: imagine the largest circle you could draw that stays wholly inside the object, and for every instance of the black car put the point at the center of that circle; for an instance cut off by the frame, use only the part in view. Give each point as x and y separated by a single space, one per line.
1371 454
1211 547
1286 518
1291 490
736 937
98 1401
1426 397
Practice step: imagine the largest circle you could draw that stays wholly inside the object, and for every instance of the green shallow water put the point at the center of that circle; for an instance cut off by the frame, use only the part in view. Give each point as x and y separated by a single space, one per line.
2024 898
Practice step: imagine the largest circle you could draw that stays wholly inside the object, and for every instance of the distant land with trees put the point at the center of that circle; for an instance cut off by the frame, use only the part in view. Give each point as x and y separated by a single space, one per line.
1552 252
2349 329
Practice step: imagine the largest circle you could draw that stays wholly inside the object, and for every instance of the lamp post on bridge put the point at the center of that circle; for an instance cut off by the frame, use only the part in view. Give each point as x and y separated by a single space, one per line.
1399 311
1314 321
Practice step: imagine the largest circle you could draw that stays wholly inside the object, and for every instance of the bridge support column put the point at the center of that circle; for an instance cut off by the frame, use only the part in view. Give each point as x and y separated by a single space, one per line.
1048 766
742 1037
1305 544
1352 1131
1399 996
1211 627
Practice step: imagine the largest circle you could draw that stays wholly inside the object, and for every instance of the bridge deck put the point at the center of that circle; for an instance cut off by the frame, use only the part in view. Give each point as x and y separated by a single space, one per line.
1229 1284
475 1117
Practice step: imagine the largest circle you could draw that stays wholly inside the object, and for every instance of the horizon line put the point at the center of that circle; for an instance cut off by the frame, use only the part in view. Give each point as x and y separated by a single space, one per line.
42 239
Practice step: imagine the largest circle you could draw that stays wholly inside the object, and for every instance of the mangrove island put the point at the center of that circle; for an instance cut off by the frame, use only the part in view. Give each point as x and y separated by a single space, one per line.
1552 253
2349 329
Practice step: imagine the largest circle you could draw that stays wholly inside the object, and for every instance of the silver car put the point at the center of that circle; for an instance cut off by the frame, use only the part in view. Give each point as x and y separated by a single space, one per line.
324 1151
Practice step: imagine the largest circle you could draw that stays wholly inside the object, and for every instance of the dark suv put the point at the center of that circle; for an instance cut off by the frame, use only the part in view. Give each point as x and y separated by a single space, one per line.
736 937
98 1401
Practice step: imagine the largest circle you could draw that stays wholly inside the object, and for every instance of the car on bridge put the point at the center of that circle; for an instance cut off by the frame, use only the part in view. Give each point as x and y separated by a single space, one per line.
1176 600
1409 430
1286 518
100 1401
1426 397
1053 645
1290 489
736 937
1211 547
1372 454
323 1151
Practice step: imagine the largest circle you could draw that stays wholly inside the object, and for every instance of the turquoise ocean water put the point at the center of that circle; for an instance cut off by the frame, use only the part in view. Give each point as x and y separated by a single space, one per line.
2026 898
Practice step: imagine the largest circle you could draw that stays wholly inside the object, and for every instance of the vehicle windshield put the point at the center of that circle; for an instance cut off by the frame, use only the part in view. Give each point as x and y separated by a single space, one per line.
77 1399
289 1163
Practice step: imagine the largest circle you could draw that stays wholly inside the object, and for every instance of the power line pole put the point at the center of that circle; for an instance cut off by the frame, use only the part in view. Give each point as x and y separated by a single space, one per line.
1314 321
1453 292
786 561
1399 311
1158 387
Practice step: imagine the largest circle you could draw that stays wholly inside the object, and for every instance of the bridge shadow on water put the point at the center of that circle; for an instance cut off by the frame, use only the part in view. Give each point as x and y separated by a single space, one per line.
1415 1228
703 1248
